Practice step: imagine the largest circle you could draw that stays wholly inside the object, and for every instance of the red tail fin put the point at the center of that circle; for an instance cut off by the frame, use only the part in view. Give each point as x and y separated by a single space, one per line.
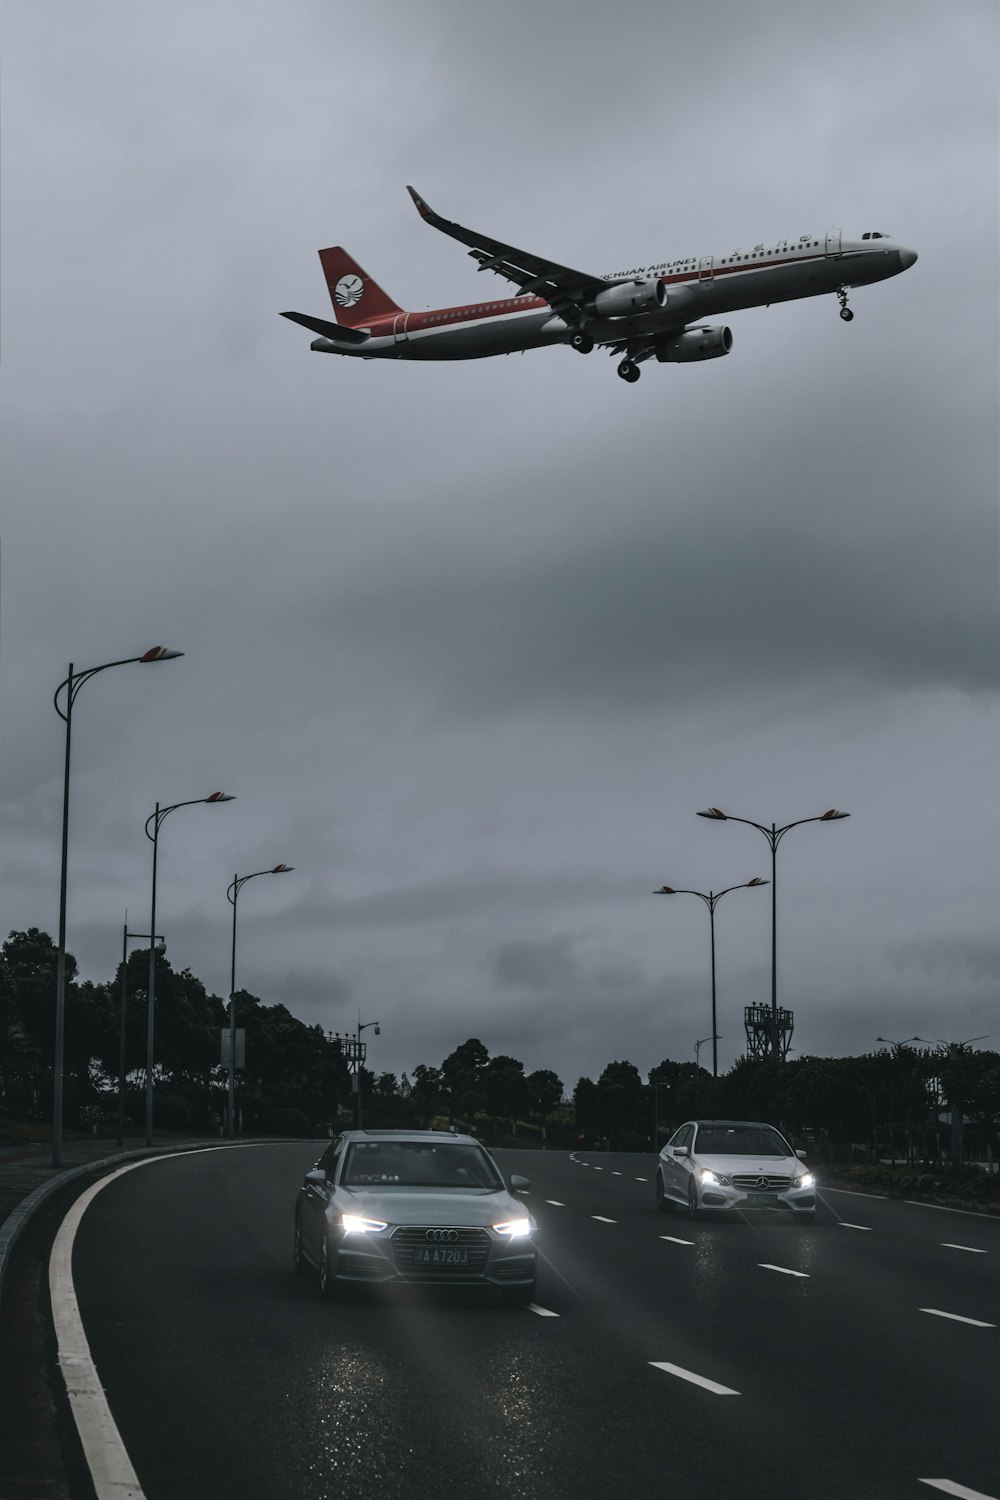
355 296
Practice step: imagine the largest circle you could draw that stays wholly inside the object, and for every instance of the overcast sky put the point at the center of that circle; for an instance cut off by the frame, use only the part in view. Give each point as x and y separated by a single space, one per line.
471 643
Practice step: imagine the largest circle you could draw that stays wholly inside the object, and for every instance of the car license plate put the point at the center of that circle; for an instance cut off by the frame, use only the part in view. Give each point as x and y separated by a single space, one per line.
439 1255
762 1200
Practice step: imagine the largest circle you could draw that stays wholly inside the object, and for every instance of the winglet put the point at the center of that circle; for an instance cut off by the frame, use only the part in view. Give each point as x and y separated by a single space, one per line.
423 209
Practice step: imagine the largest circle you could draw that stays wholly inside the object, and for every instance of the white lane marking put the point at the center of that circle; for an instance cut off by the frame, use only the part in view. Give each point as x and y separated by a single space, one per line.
543 1312
947 1245
785 1270
555 1203
961 1490
598 1169
602 1220
642 1179
844 1225
708 1385
956 1317
616 1174
110 1466
848 1194
674 1240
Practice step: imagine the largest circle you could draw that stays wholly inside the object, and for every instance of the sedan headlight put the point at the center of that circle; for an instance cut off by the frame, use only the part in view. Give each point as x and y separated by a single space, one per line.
514 1229
356 1224
707 1175
806 1180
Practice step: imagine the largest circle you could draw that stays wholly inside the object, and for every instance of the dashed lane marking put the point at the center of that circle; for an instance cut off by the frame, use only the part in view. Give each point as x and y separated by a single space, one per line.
617 1174
947 1245
602 1220
702 1380
674 1240
543 1312
555 1203
956 1317
844 1225
785 1270
962 1491
642 1179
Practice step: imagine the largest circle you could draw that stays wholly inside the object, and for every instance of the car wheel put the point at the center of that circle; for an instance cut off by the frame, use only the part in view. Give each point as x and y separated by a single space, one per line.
298 1259
663 1203
327 1280
517 1296
694 1208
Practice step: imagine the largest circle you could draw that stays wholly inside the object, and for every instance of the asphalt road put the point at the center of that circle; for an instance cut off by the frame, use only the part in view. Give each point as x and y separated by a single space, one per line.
228 1377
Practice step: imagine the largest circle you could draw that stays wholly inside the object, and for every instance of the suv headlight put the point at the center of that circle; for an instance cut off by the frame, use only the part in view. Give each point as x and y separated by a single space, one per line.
806 1180
707 1175
357 1224
514 1229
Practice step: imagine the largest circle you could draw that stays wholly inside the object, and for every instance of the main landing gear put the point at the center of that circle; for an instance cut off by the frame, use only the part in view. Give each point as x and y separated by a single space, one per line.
582 343
629 371
845 311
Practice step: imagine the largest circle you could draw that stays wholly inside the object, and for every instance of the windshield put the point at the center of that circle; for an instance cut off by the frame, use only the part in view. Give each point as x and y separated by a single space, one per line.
740 1140
418 1164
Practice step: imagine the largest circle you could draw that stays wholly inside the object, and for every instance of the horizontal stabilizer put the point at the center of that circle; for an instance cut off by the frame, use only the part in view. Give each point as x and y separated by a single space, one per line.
336 331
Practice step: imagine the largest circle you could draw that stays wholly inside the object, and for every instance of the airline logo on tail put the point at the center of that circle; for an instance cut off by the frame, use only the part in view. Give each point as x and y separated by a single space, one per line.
348 291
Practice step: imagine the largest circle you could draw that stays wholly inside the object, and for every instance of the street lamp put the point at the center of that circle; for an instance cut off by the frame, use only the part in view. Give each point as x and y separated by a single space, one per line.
711 900
658 1084
359 1054
774 835
156 818
72 685
698 1046
161 944
239 881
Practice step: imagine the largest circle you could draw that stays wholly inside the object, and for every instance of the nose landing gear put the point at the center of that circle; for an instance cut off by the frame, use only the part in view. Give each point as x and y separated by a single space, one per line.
845 311
629 371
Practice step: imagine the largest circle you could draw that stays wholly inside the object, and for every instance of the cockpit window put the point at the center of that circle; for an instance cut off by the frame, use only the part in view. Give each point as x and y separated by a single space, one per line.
875 234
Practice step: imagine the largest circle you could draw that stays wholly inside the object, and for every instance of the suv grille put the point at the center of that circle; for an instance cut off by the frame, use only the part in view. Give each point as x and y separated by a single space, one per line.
476 1241
763 1182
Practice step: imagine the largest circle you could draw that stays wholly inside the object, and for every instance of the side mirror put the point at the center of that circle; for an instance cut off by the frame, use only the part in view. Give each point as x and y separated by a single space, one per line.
681 1150
801 1155
315 1178
519 1184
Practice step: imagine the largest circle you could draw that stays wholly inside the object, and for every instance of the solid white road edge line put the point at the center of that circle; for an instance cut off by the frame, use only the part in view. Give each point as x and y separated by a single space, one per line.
961 1490
955 1317
844 1225
110 1466
785 1270
883 1197
674 1240
942 1208
543 1312
947 1245
708 1385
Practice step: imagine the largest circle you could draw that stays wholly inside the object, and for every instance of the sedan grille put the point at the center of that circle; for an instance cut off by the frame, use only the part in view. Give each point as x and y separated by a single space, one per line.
761 1182
475 1243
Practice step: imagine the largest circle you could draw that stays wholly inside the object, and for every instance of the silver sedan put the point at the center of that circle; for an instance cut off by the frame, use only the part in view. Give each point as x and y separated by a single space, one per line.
425 1207
733 1165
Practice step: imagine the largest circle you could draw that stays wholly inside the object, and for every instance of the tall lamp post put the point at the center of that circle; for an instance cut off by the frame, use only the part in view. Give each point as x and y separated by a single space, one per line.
711 900
71 686
774 835
161 944
239 881
359 1053
155 819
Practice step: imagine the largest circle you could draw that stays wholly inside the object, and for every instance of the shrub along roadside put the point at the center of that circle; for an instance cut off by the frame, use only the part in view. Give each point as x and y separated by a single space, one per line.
952 1187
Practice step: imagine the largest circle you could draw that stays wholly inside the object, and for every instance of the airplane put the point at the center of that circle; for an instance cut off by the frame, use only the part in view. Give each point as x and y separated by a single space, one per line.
646 312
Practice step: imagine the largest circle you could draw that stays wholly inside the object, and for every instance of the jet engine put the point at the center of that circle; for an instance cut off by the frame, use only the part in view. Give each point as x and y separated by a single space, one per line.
695 343
637 296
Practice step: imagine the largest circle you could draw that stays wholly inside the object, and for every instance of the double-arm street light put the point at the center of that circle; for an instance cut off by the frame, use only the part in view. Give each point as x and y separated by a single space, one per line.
70 687
154 820
711 899
774 835
239 881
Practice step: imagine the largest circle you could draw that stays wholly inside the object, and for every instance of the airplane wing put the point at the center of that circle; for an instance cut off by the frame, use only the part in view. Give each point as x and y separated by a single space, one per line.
565 289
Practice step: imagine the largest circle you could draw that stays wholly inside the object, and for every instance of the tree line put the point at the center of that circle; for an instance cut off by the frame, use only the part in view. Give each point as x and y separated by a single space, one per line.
298 1081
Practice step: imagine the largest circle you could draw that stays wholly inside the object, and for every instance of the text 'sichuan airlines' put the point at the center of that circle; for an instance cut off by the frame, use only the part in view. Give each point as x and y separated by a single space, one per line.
649 312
